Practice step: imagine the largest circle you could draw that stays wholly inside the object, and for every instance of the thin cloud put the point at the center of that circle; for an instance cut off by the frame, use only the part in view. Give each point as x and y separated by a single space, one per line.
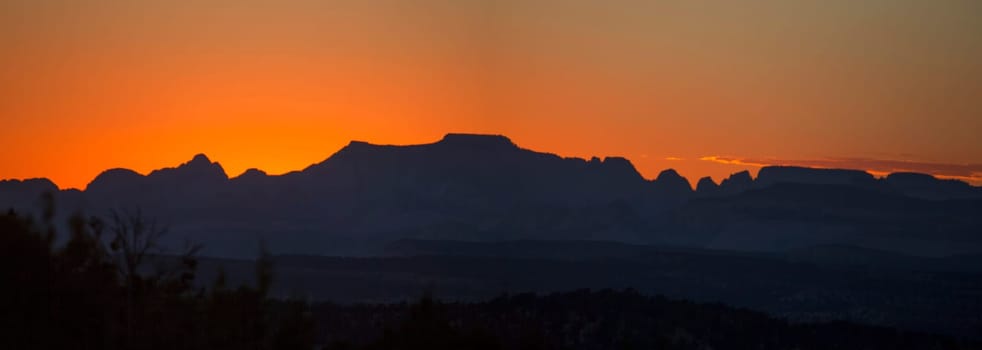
734 161
971 173
674 158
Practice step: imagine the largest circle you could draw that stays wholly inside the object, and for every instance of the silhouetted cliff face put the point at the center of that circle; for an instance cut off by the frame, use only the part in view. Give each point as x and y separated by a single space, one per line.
793 215
788 174
194 184
484 187
707 187
616 170
472 169
670 184
736 183
929 187
198 171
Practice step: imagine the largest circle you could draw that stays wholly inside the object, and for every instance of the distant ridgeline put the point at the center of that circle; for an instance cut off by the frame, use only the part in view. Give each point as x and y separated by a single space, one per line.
485 188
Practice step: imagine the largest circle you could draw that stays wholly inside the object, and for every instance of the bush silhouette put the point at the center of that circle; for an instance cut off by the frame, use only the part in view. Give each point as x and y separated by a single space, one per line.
97 291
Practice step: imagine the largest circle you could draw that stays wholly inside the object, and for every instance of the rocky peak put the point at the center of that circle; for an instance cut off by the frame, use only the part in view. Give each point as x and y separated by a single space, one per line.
736 183
706 185
669 181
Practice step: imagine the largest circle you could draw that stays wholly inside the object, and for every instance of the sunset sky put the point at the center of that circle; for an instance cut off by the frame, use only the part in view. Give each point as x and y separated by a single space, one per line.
705 87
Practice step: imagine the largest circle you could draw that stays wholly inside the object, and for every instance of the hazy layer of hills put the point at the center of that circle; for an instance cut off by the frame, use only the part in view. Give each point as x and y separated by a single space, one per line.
485 188
937 295
584 319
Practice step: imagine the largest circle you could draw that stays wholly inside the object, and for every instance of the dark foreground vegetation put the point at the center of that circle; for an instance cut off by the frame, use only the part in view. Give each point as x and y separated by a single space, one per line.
98 290
593 320
918 300
103 287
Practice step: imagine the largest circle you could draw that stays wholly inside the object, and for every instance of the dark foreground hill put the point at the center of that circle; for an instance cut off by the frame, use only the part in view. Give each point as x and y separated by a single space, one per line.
101 290
593 320
820 285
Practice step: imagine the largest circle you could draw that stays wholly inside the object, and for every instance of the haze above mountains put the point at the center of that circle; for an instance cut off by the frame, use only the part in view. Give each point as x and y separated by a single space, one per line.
486 188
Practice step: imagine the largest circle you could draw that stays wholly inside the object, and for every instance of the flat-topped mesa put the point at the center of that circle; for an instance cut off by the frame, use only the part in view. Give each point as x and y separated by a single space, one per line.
930 187
919 180
477 142
911 179
791 174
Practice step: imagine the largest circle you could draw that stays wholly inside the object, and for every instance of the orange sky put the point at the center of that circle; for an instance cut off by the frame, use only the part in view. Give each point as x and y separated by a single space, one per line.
278 85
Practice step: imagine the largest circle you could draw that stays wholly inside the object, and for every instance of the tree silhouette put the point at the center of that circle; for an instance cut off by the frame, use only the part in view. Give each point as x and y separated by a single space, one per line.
99 292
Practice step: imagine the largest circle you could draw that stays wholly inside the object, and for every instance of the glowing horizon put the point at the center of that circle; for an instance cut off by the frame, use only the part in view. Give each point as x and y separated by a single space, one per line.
969 173
279 85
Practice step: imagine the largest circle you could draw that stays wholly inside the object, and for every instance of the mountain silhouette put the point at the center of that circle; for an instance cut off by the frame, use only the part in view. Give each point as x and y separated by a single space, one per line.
669 182
707 187
927 186
736 183
789 174
21 193
487 188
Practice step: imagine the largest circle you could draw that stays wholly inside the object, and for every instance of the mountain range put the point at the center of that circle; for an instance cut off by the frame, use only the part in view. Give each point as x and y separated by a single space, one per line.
485 188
